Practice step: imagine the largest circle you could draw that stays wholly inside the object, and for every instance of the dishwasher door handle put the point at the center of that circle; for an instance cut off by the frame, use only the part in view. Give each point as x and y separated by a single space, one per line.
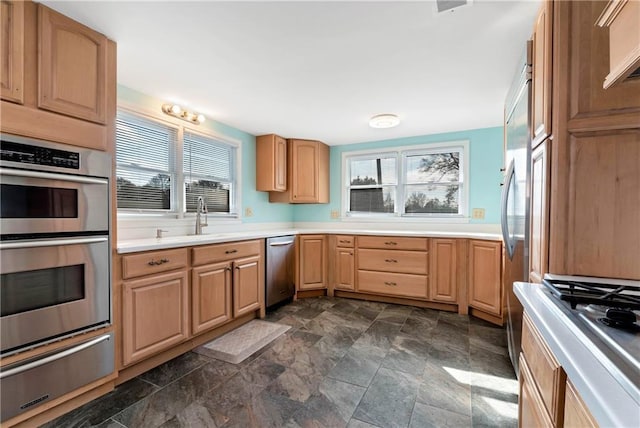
280 244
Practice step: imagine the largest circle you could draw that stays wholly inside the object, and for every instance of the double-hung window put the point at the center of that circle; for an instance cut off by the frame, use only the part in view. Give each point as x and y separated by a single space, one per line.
424 181
164 168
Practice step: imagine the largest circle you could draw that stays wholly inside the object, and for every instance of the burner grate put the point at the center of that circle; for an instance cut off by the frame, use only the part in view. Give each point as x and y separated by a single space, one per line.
574 292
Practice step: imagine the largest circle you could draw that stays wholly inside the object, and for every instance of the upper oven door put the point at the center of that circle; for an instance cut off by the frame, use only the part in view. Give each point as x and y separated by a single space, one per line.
45 202
51 288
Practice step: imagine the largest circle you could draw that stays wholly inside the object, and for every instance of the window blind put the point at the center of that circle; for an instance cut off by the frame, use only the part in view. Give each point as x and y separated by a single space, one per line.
145 167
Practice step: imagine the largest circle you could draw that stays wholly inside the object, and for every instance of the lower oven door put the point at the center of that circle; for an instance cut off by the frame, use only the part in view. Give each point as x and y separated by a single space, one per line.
41 379
52 288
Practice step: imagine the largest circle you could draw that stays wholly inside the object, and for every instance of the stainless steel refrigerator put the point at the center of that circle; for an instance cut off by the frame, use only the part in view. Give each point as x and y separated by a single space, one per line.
515 196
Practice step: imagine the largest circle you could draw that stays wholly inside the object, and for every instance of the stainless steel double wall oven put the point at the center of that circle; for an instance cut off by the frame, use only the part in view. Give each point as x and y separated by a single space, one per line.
54 261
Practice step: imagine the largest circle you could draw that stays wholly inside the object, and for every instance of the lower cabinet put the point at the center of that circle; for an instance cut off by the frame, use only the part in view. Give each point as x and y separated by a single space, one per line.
162 308
211 296
247 285
155 314
312 262
345 268
531 409
576 413
443 281
484 274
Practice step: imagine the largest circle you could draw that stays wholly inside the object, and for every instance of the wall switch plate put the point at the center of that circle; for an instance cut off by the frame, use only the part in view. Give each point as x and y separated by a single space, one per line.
477 213
335 214
248 212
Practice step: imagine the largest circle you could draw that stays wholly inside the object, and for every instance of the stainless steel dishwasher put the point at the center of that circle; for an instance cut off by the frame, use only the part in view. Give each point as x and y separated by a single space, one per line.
280 284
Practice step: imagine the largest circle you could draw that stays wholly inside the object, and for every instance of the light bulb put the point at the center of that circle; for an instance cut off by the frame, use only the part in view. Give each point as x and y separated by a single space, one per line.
200 118
176 109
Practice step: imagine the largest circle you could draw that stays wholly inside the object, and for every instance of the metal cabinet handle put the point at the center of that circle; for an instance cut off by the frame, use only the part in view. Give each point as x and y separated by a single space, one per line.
391 284
158 262
12 245
227 268
54 357
391 260
345 241
391 243
52 176
231 251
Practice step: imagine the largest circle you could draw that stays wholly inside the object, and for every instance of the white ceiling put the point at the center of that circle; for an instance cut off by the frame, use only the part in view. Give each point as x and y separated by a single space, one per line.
319 70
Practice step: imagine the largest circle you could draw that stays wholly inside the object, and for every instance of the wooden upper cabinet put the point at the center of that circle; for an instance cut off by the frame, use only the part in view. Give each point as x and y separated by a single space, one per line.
538 252
12 51
271 163
443 282
484 276
307 173
72 72
542 73
623 20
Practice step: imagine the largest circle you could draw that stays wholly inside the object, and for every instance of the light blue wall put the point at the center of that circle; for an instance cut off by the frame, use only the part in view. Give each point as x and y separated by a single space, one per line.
486 157
263 211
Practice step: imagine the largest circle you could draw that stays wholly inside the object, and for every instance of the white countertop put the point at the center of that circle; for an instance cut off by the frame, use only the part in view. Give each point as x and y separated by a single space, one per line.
609 389
146 244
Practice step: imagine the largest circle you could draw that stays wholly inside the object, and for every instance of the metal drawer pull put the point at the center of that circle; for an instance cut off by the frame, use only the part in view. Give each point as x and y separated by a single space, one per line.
390 243
50 243
392 284
158 262
345 241
54 357
391 260
231 251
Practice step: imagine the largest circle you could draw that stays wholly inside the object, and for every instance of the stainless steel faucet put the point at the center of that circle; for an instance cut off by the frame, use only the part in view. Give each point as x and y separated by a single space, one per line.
201 209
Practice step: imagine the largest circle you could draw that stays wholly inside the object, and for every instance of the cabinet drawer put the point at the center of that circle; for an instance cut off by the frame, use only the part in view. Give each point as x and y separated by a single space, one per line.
546 372
345 241
392 243
153 262
397 284
228 251
393 261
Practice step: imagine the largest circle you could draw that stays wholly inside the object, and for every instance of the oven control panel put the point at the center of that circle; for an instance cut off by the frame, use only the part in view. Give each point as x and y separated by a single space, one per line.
37 155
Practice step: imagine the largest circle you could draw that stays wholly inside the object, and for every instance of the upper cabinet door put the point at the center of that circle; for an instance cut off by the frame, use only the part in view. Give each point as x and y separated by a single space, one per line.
72 67
305 171
542 74
271 163
12 51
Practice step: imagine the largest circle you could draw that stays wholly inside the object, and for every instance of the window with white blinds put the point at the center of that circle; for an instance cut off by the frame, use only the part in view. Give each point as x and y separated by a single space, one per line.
145 166
153 157
208 167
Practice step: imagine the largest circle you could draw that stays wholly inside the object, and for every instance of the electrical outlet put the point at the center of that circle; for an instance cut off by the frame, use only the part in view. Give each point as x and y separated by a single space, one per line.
477 213
335 214
248 212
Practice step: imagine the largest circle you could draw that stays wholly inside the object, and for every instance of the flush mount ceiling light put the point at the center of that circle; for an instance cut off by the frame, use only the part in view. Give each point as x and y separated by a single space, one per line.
176 111
384 121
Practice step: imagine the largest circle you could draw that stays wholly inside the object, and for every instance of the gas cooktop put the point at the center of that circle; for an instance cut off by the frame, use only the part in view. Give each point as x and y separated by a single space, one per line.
609 308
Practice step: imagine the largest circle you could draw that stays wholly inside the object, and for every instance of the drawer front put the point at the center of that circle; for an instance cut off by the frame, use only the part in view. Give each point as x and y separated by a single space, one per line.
395 284
393 261
546 372
228 251
153 262
345 241
392 243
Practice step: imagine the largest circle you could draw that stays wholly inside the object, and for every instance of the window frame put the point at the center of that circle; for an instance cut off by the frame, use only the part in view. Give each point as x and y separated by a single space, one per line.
401 153
178 192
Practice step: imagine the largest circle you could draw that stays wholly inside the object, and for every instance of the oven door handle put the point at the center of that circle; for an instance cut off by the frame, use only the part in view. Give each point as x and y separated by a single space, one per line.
12 245
52 176
37 363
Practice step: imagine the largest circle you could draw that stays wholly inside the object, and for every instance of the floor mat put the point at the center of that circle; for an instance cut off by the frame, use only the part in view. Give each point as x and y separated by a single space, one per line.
237 345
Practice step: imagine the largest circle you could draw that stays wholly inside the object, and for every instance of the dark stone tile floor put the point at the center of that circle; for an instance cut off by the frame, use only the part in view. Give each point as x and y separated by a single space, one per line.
344 363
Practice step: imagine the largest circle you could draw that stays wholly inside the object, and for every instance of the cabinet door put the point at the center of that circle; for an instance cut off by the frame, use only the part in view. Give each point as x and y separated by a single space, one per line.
271 163
304 184
532 413
345 268
443 277
312 262
542 73
576 413
248 286
538 262
155 314
210 296
72 67
12 51
485 291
